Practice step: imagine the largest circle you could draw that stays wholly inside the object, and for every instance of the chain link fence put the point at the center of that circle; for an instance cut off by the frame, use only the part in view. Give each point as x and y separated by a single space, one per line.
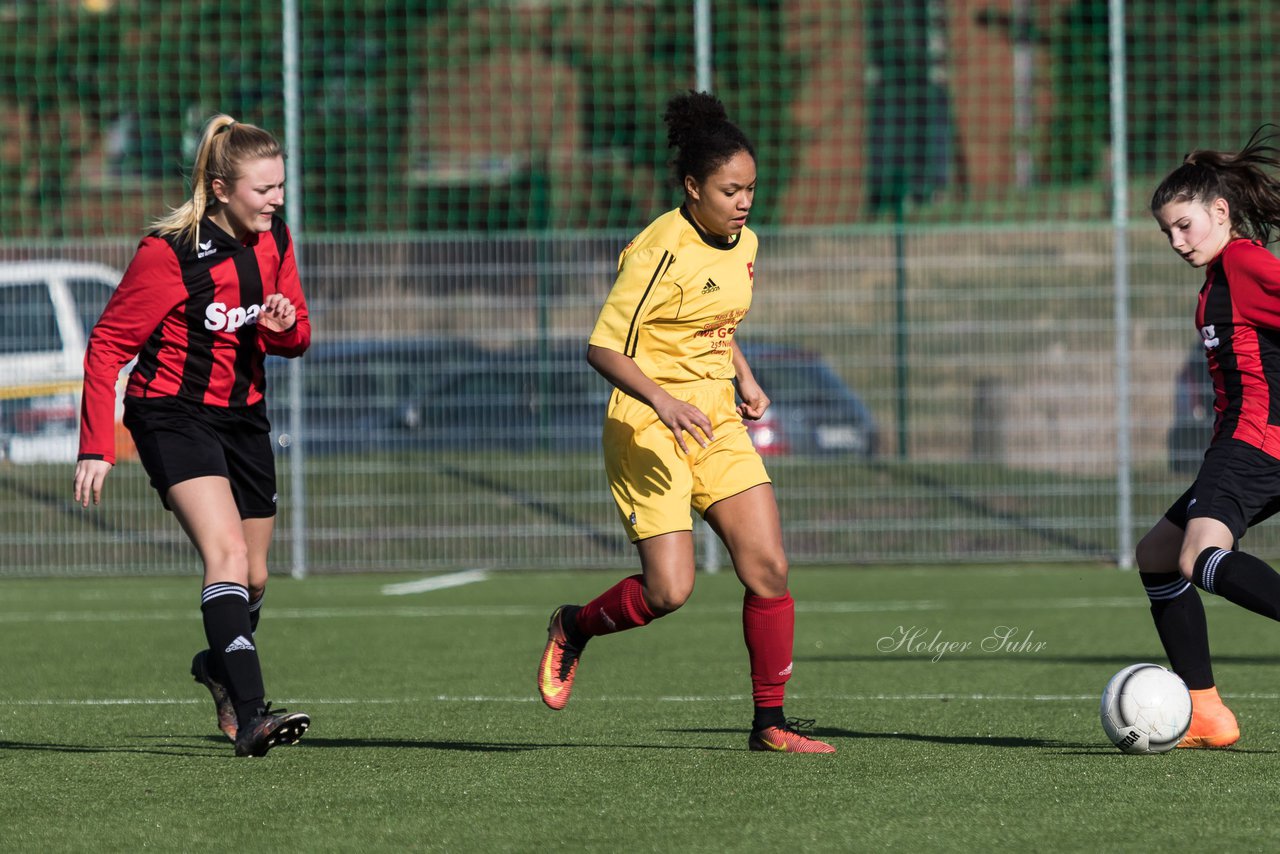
936 311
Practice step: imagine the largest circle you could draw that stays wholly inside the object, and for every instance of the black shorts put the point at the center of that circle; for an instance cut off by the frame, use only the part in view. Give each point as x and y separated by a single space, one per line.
179 440
1238 485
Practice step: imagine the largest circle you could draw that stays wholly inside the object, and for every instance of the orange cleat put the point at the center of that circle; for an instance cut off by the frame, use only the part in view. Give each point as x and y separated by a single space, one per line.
559 664
1212 723
787 739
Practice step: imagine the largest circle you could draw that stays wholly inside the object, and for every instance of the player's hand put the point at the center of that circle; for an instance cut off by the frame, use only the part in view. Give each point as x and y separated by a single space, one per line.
278 313
754 400
683 417
90 475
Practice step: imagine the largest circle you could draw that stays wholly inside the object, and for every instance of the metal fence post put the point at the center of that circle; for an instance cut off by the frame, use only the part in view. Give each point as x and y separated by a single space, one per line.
1120 224
293 204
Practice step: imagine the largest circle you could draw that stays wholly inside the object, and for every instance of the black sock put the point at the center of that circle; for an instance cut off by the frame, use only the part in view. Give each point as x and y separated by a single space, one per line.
1240 578
768 716
569 622
1179 617
227 627
255 613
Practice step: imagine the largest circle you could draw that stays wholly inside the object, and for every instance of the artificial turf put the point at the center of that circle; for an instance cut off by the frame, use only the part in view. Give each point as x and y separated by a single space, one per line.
427 734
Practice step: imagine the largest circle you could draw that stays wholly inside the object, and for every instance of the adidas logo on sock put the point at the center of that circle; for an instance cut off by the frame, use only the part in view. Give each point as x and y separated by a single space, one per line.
239 644
710 287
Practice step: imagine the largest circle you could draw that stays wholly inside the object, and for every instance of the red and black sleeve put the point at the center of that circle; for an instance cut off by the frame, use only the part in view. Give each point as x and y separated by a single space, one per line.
295 340
150 288
1254 274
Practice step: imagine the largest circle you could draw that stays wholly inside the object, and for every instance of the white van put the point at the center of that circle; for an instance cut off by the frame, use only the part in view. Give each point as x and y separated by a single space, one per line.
47 309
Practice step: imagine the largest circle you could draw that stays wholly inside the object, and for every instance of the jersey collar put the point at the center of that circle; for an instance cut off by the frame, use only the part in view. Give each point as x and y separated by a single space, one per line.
713 240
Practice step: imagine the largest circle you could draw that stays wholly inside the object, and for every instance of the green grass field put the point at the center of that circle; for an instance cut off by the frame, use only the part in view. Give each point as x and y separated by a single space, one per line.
426 734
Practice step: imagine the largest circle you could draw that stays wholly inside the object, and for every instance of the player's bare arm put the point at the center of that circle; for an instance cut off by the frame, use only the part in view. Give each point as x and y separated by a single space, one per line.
754 400
680 417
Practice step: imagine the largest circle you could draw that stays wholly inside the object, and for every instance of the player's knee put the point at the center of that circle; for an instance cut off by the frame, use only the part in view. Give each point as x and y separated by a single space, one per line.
228 560
767 577
1192 550
664 599
1157 552
1187 563
1149 556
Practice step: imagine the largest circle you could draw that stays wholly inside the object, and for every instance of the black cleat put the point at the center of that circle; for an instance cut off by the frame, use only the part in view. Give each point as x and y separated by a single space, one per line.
270 728
221 699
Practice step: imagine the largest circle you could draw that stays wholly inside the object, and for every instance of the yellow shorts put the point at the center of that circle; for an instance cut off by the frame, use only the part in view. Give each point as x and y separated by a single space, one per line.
654 483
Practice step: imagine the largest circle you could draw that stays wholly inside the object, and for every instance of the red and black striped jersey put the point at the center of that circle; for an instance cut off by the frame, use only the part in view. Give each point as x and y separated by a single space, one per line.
189 314
1238 316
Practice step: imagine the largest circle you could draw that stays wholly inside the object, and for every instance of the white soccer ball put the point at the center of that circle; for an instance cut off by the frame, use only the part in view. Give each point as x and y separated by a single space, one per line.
1146 709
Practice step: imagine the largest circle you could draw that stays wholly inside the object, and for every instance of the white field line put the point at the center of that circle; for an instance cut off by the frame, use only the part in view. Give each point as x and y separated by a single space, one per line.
436 582
470 611
619 698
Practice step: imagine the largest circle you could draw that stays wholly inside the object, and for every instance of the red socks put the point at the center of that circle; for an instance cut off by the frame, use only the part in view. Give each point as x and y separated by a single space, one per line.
619 608
768 625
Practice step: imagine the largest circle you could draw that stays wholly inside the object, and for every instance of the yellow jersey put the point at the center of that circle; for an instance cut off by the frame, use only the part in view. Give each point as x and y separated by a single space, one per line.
678 299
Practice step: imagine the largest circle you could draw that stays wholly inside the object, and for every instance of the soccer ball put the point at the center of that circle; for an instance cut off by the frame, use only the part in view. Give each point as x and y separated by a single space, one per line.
1145 709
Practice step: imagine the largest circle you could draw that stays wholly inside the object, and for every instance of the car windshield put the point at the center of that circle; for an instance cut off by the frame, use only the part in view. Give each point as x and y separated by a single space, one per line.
797 381
390 377
28 323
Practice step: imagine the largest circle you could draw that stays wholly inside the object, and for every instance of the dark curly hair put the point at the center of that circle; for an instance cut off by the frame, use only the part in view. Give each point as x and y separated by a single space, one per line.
698 128
1252 193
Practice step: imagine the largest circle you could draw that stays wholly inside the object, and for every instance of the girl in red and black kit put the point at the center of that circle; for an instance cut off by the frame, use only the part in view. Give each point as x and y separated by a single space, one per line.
1219 211
210 292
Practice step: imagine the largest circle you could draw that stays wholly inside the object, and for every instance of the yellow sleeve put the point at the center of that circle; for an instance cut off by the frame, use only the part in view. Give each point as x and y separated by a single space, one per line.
633 297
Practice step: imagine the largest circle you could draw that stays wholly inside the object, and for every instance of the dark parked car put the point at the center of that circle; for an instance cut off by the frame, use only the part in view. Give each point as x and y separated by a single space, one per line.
812 410
434 394
1192 414
527 398
360 394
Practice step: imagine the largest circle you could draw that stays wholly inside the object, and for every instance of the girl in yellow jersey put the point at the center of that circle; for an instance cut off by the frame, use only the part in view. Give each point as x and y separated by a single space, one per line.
674 437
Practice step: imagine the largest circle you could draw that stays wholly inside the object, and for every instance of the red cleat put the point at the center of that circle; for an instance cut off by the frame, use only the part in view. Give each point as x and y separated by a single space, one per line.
787 739
559 664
